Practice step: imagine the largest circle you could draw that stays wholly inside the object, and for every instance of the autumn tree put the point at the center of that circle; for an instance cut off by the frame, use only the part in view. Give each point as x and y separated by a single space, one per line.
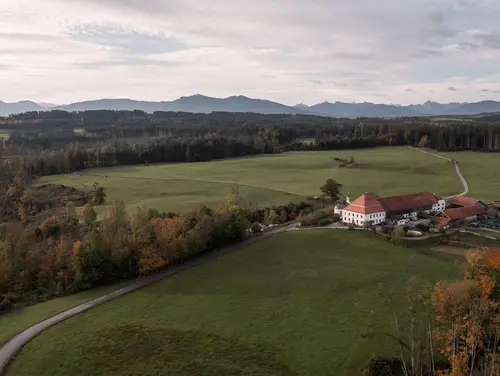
424 142
468 316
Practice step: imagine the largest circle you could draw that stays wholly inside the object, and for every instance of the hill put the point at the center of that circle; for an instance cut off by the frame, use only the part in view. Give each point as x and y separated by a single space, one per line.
341 109
7 109
195 104
204 104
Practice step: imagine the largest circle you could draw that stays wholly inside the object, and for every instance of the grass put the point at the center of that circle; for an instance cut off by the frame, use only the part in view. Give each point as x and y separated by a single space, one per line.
79 131
4 133
479 169
317 302
269 180
16 321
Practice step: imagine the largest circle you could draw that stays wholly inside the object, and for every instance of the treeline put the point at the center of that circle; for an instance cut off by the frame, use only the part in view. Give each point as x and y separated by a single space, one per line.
67 253
132 137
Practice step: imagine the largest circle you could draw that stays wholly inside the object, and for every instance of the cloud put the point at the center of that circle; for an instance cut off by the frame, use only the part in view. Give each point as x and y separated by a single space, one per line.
452 88
484 90
281 50
409 90
130 41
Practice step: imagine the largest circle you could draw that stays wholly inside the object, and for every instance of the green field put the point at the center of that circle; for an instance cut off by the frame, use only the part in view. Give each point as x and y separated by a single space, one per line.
317 302
16 321
481 172
270 180
4 133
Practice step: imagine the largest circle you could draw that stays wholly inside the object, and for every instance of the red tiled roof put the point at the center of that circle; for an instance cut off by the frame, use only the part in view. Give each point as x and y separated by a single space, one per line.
495 204
408 202
464 212
441 221
464 201
366 204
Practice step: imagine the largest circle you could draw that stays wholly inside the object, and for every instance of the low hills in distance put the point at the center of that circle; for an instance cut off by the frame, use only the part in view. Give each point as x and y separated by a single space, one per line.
203 104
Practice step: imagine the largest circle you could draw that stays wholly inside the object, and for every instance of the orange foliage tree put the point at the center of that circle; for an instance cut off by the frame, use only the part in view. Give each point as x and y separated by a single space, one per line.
467 322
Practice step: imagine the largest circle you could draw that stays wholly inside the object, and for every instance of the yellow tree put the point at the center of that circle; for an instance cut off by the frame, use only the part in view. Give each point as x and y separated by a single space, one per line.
467 322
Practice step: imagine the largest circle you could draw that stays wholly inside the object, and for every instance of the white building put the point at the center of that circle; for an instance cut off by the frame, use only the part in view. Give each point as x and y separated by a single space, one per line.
364 211
369 210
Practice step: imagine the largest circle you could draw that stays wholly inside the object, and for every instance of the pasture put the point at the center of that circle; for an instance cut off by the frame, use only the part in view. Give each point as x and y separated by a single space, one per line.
317 302
481 172
270 179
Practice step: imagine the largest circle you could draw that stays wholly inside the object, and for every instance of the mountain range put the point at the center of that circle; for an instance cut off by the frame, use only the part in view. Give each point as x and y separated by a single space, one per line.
203 104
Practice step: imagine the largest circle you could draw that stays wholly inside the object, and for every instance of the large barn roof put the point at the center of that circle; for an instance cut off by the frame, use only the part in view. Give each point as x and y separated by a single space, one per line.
408 202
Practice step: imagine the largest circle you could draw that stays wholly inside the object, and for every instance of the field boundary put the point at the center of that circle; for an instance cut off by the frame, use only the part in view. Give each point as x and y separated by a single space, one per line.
457 170
15 344
195 181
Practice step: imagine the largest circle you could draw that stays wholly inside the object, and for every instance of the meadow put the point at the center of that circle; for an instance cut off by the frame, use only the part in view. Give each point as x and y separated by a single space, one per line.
16 321
316 302
481 172
271 179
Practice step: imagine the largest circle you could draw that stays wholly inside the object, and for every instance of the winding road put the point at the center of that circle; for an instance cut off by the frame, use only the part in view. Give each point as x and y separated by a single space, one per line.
457 169
9 349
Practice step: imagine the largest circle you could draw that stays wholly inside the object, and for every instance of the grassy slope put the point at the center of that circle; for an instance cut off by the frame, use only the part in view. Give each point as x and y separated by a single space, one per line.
479 169
270 180
16 321
294 304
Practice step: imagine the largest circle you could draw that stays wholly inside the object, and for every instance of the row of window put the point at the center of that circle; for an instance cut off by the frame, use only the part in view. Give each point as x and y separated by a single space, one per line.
376 215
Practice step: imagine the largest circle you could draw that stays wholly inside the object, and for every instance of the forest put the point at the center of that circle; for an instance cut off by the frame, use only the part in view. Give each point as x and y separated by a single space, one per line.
49 144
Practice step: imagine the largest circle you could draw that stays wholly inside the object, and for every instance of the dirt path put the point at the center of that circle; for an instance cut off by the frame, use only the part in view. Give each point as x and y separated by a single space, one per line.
457 169
9 349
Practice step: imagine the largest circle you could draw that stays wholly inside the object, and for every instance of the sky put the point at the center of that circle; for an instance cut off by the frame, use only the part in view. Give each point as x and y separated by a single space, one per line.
289 51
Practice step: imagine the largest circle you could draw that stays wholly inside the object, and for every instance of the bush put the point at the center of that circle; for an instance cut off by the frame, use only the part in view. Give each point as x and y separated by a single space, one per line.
325 222
379 366
256 228
5 305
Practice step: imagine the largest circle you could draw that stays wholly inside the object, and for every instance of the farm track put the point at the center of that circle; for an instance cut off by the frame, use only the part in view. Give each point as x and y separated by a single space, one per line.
10 348
457 170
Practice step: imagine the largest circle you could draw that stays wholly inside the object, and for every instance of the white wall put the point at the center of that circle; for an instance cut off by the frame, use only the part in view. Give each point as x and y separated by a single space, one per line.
439 207
362 219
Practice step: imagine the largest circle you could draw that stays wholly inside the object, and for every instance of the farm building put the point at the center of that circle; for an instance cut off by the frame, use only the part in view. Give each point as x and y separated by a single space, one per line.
454 216
462 202
495 205
369 209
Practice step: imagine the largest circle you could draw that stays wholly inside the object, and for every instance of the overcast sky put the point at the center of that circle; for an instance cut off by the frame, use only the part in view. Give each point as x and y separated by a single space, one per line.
291 51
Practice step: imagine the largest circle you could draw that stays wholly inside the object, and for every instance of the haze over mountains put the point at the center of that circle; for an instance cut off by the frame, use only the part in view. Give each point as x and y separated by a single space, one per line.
204 104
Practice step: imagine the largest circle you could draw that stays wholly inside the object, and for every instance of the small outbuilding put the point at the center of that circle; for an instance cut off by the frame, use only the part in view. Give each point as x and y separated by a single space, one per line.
463 202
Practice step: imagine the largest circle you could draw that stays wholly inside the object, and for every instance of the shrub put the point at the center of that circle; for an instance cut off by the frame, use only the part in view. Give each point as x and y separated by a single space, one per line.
324 222
256 228
378 366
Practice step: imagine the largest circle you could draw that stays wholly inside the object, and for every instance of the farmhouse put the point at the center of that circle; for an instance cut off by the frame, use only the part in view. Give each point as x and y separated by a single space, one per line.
369 209
453 216
462 202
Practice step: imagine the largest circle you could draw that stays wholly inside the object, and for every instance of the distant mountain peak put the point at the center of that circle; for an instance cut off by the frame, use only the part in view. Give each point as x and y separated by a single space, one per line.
199 103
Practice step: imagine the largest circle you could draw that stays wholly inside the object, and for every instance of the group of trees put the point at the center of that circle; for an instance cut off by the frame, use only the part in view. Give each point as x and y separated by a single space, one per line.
468 316
65 253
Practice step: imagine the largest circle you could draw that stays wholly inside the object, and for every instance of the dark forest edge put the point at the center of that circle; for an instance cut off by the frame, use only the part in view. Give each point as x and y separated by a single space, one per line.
45 143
